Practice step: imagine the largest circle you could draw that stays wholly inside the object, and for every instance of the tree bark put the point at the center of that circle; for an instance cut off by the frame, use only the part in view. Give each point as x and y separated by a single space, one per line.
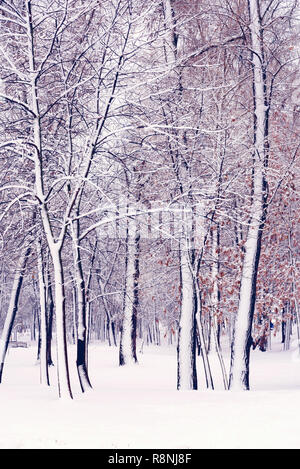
186 350
215 303
13 306
64 386
81 336
44 375
55 247
131 298
242 340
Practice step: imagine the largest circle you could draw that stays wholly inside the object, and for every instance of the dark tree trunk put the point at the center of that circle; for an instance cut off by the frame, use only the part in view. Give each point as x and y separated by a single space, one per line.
13 307
50 323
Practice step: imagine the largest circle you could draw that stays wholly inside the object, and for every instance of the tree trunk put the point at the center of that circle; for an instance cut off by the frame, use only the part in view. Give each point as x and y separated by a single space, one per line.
186 350
81 360
55 247
131 298
64 387
44 375
13 306
50 310
215 303
202 342
294 287
242 340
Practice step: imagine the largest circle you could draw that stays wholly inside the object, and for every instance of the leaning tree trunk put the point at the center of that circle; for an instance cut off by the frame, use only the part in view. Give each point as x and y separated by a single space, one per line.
131 297
242 340
13 307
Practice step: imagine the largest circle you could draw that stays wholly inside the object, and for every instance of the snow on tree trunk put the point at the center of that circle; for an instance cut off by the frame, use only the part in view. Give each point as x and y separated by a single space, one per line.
294 287
186 350
81 335
54 246
131 299
44 375
215 291
203 346
82 330
12 307
64 386
215 302
242 340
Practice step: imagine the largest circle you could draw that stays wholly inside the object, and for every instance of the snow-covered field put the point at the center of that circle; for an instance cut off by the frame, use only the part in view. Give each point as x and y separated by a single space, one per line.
139 407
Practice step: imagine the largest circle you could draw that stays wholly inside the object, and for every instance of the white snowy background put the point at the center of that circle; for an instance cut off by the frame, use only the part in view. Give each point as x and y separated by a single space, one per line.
139 407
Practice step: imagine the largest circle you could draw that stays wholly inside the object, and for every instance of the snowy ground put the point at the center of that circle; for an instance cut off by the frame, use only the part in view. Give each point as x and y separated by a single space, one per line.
139 407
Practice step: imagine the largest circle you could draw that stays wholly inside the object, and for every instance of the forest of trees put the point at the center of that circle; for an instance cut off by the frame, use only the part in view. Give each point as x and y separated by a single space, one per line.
150 189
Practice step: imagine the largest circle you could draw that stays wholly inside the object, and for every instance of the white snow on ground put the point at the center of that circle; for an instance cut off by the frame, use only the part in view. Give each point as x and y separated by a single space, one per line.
139 407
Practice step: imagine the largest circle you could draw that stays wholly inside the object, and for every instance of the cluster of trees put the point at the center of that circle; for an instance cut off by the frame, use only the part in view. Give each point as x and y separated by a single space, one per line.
149 177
